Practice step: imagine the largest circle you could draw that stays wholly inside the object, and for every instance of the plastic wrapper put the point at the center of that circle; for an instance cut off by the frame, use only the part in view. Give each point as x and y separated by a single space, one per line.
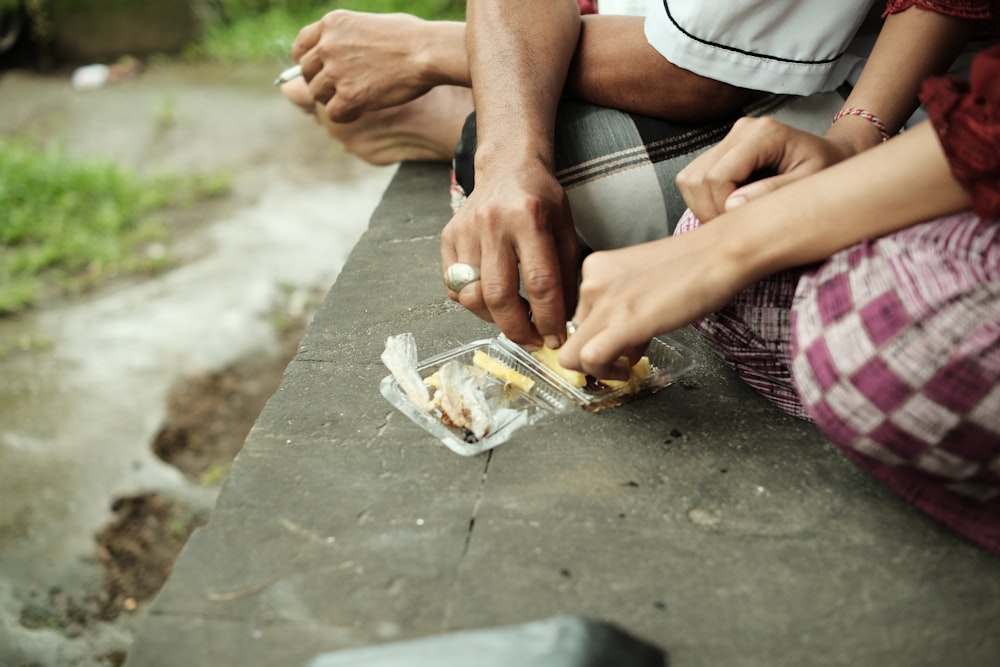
465 391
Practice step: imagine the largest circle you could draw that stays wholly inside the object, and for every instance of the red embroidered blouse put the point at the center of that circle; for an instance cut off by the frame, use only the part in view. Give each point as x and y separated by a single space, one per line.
986 12
966 116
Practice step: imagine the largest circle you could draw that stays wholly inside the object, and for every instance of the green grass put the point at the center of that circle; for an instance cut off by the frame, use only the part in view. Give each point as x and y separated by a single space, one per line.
266 35
67 226
265 38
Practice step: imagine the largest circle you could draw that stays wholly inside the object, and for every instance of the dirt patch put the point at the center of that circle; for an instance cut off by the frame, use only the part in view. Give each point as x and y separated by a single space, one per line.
210 415
137 551
208 418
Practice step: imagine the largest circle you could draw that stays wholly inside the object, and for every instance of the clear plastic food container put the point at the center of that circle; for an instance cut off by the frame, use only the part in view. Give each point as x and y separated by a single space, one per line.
550 394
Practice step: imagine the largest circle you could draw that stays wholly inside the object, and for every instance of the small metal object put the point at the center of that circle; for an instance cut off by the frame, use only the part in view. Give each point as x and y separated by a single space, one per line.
458 275
291 73
571 327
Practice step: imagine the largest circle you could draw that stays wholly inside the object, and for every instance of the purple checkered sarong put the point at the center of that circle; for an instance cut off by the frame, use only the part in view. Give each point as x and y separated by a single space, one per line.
892 347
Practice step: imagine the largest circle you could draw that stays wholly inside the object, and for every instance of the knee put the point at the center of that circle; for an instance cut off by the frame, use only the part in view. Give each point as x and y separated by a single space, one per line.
919 392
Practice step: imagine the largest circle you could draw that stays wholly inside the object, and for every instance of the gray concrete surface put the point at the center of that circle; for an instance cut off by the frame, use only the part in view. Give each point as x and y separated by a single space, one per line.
699 519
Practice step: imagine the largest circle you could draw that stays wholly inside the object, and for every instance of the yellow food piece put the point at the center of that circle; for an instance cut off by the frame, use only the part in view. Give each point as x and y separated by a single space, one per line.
433 380
550 358
640 371
501 372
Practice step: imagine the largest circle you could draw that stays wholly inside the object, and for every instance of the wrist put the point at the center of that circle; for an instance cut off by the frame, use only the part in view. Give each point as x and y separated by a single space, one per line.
523 153
854 130
440 54
749 247
735 257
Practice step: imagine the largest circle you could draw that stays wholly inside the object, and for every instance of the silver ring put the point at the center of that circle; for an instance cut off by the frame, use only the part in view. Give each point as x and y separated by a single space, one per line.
458 275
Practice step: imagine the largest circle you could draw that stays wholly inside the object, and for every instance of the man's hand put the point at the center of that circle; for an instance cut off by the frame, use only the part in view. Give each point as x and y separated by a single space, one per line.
516 226
735 170
356 62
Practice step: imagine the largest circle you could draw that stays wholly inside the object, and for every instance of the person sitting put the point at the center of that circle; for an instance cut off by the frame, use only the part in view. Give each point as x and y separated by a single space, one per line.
357 64
864 296
549 176
524 221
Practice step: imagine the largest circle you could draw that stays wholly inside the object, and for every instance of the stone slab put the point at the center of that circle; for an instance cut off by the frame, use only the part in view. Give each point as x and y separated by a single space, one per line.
699 519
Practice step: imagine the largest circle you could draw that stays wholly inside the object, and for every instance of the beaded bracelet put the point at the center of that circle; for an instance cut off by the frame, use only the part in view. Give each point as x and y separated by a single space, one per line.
870 117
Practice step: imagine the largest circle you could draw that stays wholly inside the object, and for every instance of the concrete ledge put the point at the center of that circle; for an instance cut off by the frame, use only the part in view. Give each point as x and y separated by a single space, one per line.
700 519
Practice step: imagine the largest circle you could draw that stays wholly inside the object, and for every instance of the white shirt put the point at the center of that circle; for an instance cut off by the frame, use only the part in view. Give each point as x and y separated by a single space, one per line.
796 47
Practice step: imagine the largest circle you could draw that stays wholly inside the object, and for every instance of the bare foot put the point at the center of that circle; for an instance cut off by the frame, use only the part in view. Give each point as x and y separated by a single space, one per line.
427 128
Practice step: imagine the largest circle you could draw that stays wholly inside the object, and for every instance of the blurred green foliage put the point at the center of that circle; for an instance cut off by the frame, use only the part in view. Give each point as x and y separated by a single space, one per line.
69 225
263 30
233 9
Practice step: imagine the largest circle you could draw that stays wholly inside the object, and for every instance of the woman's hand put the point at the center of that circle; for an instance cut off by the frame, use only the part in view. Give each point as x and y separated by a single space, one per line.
630 295
758 156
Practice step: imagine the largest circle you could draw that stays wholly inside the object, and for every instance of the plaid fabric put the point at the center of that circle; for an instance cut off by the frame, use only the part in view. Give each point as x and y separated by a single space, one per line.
893 347
619 169
896 354
752 334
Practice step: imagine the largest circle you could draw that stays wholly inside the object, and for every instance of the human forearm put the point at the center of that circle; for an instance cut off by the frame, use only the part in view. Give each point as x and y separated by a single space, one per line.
898 184
516 225
519 52
629 295
440 53
615 66
911 46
